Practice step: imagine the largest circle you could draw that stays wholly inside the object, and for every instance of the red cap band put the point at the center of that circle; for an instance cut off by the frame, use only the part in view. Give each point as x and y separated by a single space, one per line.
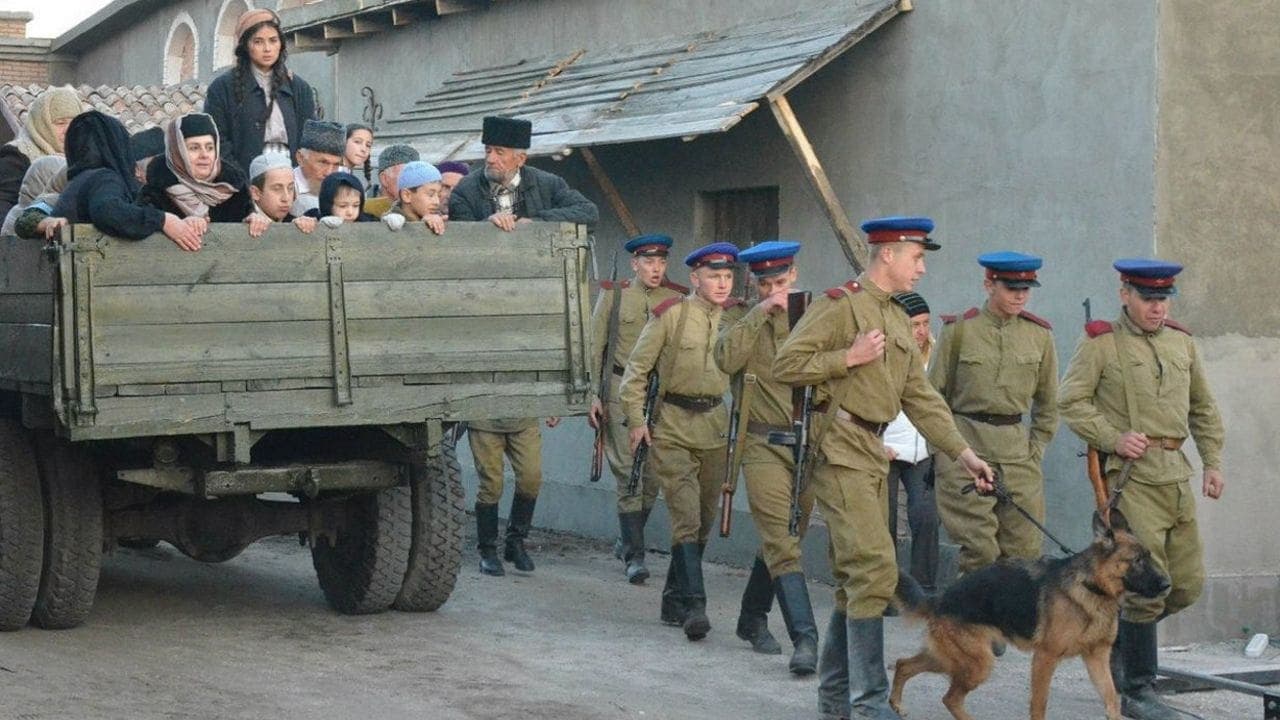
767 264
1163 282
893 236
655 247
1015 275
713 258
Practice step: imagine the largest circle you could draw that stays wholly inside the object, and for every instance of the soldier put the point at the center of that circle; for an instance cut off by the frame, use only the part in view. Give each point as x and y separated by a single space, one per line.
637 297
996 366
1135 389
855 344
688 439
521 441
748 346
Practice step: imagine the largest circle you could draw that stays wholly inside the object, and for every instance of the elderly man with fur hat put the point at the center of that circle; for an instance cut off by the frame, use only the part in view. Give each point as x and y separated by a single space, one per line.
322 145
509 191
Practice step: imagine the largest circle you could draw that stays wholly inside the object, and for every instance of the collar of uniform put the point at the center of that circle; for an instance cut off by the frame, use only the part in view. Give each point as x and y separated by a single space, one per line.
992 316
1132 327
873 289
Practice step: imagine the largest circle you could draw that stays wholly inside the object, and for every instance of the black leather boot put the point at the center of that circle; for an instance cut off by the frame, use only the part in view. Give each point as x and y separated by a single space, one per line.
672 594
517 530
632 525
487 539
1133 667
797 613
833 671
753 619
696 625
868 683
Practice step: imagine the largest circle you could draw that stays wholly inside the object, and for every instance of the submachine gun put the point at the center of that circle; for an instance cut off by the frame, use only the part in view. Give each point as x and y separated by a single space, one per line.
606 371
801 415
642 450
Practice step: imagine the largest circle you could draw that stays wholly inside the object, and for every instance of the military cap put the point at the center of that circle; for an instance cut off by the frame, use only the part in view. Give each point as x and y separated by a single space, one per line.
323 136
146 143
770 257
717 256
898 228
508 132
1016 270
649 245
912 303
1151 278
393 155
417 174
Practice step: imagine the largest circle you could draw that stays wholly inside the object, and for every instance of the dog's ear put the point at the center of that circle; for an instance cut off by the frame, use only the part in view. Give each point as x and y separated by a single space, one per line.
1101 530
1118 521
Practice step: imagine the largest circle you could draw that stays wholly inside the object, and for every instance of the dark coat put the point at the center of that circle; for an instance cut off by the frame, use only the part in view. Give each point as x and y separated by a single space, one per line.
545 197
234 209
241 125
13 167
101 188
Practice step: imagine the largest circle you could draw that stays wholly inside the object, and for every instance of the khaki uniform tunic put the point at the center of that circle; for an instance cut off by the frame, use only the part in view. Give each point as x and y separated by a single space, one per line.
850 480
1173 401
1003 367
637 307
688 452
749 346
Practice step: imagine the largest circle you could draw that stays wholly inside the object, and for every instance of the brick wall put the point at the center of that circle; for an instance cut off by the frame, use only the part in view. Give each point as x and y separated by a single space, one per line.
13 28
18 72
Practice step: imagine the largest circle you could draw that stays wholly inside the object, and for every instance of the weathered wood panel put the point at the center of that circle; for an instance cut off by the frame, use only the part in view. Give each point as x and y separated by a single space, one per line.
24 267
27 308
233 373
25 353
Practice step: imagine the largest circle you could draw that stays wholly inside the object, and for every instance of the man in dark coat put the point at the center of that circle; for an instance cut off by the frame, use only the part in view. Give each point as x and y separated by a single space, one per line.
508 191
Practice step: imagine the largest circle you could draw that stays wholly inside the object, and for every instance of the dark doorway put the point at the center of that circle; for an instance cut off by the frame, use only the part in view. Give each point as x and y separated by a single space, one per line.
742 216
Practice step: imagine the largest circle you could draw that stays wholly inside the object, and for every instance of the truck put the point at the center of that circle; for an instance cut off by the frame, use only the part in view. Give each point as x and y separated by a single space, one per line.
292 384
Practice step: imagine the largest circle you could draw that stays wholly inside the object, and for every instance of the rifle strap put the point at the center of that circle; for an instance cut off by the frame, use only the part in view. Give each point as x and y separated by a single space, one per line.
747 390
610 341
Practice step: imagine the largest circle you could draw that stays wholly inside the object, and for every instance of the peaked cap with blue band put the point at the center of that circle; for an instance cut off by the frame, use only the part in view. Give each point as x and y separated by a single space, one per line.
717 256
1016 270
1151 278
650 245
770 257
900 228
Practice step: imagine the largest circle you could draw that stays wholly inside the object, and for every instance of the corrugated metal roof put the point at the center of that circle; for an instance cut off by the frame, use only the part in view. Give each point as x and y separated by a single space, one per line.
675 87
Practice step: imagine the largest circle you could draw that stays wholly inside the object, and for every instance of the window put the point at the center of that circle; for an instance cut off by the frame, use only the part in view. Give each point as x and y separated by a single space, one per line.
180 51
224 34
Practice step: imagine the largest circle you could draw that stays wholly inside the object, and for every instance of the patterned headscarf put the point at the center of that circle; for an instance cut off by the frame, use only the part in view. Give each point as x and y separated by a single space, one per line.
193 196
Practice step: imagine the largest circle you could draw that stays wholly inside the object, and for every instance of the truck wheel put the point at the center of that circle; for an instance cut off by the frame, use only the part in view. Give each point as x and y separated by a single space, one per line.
21 526
435 555
72 534
361 569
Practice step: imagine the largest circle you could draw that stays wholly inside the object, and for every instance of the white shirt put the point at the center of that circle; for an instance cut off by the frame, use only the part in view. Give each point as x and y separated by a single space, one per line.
903 437
306 199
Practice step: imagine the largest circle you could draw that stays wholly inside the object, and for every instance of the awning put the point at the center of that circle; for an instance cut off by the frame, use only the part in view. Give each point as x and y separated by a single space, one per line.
677 87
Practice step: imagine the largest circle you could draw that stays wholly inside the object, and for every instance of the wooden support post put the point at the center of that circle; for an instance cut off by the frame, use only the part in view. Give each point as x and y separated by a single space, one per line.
817 177
610 192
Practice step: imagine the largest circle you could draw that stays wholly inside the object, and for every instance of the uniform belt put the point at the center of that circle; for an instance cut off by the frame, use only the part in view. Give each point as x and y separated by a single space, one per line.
1166 443
874 428
992 418
618 370
756 427
694 403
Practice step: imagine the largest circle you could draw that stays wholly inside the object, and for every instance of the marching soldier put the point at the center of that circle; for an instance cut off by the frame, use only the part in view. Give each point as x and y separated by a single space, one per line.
520 440
855 344
638 298
688 439
749 346
996 366
1135 389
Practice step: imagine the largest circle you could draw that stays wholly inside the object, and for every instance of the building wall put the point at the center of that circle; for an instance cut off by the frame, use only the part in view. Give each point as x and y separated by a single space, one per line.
1217 208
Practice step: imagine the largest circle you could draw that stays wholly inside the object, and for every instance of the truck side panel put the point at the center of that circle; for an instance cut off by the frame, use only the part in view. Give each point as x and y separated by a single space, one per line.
26 315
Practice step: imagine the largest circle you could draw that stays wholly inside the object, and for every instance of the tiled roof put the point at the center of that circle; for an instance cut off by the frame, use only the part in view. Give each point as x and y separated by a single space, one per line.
138 107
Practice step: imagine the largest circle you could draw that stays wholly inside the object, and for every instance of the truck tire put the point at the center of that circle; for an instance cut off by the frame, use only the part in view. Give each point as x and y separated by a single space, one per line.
435 555
361 570
21 526
72 534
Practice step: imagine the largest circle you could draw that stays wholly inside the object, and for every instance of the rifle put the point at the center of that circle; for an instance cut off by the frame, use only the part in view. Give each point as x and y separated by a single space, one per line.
733 465
606 370
1095 459
801 415
642 450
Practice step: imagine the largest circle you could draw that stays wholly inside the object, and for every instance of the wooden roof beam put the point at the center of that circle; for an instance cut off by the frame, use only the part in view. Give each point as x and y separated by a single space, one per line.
339 29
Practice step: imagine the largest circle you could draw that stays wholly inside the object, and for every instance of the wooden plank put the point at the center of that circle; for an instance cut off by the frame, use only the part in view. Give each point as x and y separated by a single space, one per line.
462 335
372 23
25 352
25 267
140 390
27 308
155 415
611 193
847 237
132 344
338 30
232 372
416 365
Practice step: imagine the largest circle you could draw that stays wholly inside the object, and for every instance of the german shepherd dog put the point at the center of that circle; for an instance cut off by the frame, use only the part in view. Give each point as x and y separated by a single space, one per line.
1055 608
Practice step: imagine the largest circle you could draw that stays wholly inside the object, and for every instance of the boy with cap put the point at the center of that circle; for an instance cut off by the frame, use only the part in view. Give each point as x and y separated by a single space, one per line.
272 190
854 344
1135 389
688 437
391 161
319 154
635 300
997 366
451 173
749 346
508 191
419 197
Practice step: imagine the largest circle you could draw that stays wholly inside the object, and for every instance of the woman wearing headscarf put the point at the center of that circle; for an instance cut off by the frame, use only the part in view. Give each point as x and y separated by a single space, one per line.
44 180
259 104
42 133
102 190
193 180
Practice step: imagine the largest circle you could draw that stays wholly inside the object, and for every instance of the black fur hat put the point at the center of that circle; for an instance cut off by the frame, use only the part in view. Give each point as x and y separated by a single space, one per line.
507 132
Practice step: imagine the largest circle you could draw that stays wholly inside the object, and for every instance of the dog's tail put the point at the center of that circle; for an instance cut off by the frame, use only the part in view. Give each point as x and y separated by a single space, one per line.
911 599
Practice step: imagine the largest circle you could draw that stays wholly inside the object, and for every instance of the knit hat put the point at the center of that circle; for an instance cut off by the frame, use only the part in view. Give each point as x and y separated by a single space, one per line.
912 303
508 132
417 174
453 166
254 17
393 155
146 143
323 136
268 161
